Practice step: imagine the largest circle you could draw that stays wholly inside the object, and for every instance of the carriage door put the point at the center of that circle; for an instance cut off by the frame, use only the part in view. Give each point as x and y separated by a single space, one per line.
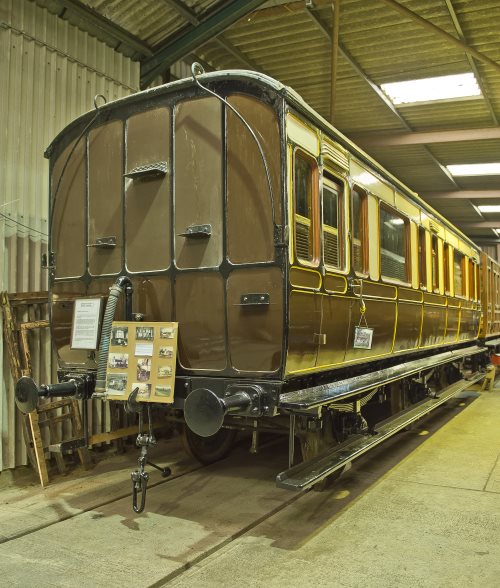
198 233
305 274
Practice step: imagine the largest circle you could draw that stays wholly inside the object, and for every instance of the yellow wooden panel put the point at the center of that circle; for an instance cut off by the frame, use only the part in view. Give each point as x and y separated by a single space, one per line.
407 207
414 255
361 176
302 135
373 239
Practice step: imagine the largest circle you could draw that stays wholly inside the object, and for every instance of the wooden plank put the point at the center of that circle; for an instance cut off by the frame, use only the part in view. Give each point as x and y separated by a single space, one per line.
119 433
22 298
38 449
9 329
34 325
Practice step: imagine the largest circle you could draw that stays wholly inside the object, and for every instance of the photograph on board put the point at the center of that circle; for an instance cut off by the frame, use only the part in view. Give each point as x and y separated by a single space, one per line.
166 352
164 371
163 390
144 333
166 332
143 369
144 389
119 336
116 383
118 360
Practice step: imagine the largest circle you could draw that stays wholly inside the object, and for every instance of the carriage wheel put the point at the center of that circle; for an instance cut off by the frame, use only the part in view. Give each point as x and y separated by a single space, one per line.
208 450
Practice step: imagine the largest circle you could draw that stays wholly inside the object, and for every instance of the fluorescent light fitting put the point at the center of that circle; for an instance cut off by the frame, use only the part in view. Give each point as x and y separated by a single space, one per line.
489 207
397 221
475 169
431 89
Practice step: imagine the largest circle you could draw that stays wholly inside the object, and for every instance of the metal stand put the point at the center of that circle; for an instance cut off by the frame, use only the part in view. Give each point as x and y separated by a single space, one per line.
140 477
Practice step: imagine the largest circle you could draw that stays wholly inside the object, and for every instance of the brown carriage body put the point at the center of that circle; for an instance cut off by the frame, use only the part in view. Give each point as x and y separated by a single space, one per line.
175 180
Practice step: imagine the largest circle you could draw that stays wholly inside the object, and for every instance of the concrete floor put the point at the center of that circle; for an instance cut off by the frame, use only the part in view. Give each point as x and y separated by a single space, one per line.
421 510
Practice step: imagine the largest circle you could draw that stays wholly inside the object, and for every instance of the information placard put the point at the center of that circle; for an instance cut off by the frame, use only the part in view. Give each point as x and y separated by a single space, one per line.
85 327
143 356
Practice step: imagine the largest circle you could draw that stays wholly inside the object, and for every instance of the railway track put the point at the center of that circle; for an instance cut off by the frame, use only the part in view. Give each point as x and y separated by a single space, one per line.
84 532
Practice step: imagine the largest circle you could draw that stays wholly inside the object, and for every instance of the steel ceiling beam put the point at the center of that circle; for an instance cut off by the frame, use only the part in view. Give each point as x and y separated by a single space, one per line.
190 15
195 37
90 20
470 59
463 195
357 68
396 139
334 56
443 34
479 225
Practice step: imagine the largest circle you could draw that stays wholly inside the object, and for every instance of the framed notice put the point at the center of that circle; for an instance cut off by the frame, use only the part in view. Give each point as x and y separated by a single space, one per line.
363 337
142 356
86 319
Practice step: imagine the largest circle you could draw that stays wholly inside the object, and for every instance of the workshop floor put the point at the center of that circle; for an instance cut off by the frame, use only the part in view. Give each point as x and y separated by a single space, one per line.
421 510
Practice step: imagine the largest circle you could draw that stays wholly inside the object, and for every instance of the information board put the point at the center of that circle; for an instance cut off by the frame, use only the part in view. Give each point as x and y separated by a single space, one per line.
143 356
86 320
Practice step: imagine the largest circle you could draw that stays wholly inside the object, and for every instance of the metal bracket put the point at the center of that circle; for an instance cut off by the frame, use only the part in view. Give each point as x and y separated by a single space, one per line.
254 300
104 243
149 171
48 260
197 232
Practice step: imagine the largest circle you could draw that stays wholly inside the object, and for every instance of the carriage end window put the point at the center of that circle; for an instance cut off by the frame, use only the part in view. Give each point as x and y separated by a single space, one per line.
333 222
359 231
305 181
393 245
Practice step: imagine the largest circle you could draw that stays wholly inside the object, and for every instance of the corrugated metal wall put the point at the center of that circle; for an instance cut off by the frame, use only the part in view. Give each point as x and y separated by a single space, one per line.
50 72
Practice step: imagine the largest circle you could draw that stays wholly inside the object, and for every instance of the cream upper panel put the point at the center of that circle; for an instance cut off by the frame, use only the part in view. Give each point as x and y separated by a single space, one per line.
371 183
302 135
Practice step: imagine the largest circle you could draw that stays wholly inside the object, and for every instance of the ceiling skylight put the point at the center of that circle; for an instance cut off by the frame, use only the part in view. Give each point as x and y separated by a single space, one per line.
431 89
475 169
489 207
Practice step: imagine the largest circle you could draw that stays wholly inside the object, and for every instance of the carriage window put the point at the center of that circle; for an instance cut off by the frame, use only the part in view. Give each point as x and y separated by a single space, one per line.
305 178
359 231
446 267
435 264
458 267
393 245
333 223
472 280
422 258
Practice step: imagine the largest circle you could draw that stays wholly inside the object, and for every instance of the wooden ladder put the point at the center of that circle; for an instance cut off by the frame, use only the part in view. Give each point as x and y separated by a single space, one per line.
17 342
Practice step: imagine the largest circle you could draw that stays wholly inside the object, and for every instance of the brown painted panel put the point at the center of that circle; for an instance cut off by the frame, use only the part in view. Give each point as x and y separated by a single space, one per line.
433 325
153 298
335 325
305 278
408 327
255 332
148 201
105 196
336 284
452 320
381 317
434 299
469 323
304 322
379 290
199 300
68 226
410 295
249 226
198 181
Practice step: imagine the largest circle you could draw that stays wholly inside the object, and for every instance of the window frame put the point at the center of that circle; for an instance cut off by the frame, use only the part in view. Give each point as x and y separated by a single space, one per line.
365 228
329 177
406 220
422 258
463 262
314 195
435 263
446 269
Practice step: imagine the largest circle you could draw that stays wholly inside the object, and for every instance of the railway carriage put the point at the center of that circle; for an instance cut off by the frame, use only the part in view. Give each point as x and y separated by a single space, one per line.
315 294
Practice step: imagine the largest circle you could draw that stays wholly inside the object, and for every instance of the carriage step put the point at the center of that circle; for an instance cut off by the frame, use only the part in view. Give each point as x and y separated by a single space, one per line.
317 395
305 475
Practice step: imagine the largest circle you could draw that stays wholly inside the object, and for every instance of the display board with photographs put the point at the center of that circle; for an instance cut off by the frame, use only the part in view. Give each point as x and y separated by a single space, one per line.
143 356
